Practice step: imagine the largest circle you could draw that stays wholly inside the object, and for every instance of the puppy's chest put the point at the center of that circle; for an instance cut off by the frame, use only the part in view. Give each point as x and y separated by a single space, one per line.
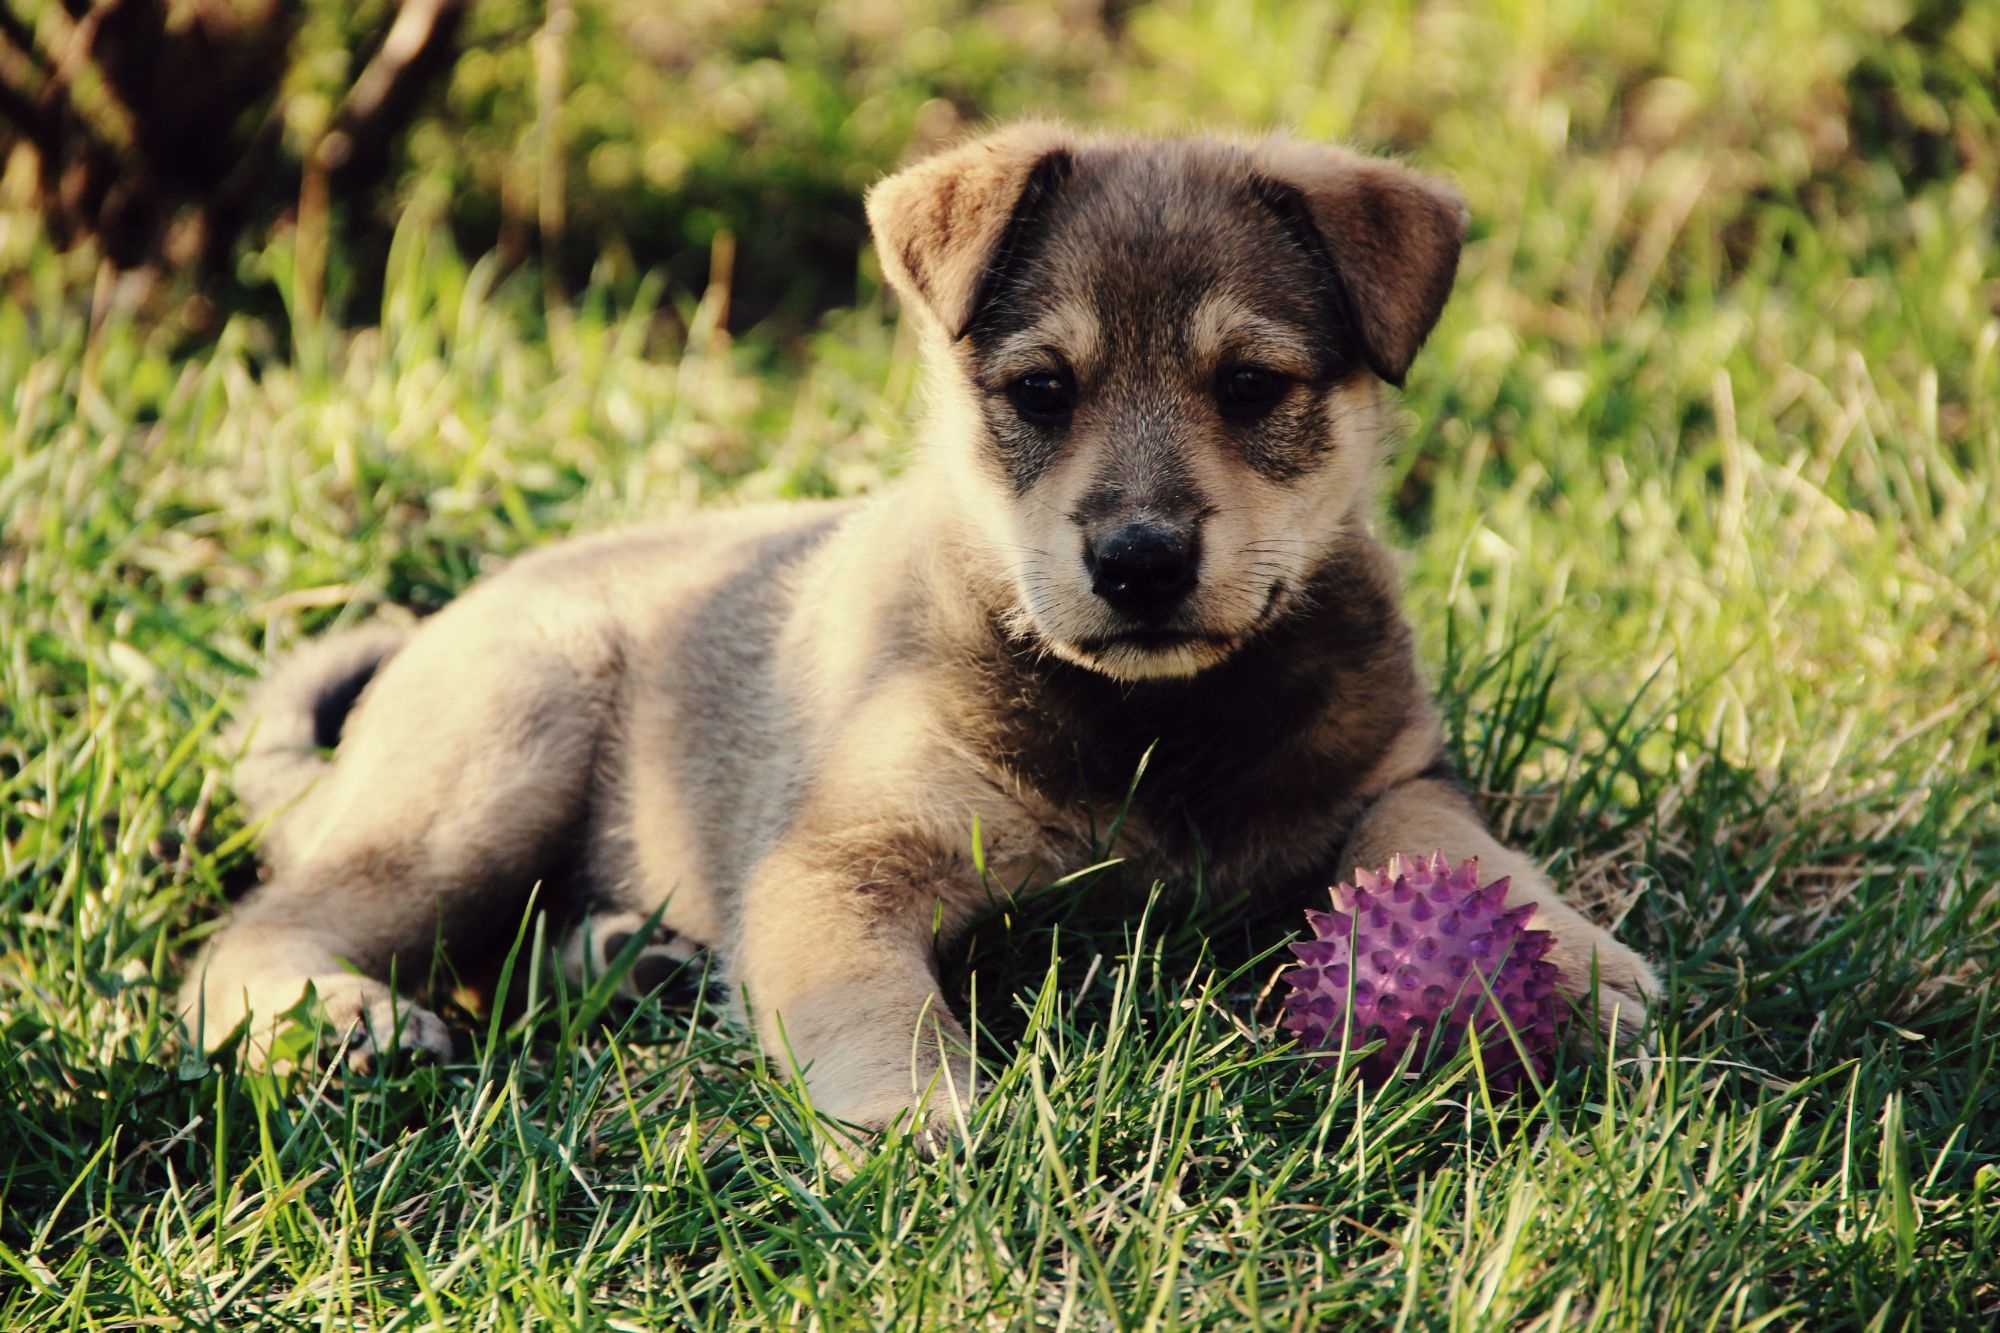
1244 788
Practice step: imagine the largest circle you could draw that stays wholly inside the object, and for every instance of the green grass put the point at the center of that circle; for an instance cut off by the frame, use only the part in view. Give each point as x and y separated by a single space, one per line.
1700 486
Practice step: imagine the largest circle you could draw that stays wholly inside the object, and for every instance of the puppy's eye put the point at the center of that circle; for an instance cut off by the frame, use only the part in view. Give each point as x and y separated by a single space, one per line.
1043 396
1245 391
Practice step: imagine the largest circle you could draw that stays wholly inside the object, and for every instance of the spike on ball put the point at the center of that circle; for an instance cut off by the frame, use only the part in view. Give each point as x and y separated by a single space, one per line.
1401 957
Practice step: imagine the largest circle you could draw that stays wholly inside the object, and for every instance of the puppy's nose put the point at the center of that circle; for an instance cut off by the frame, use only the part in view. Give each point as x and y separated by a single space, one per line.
1142 569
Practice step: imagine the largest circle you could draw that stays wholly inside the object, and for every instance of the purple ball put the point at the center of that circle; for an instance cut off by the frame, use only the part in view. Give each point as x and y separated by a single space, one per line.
1402 957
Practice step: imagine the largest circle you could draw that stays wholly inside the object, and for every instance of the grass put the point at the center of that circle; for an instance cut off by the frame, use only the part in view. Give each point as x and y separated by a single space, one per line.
1700 487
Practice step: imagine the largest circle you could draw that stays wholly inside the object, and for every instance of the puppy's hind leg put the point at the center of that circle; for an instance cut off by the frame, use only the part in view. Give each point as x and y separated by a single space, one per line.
460 781
262 965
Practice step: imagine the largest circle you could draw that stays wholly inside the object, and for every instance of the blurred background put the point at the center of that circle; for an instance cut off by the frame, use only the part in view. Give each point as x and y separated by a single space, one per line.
263 151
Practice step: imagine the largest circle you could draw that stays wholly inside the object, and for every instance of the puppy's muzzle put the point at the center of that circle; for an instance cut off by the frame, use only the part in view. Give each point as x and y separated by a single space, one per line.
1143 571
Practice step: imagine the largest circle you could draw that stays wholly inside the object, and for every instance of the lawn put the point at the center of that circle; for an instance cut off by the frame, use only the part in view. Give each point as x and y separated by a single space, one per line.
1699 489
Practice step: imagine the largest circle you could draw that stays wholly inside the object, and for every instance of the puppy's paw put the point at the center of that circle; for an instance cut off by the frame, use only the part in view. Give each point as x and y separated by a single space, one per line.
1625 982
595 945
855 1119
361 1019
375 1025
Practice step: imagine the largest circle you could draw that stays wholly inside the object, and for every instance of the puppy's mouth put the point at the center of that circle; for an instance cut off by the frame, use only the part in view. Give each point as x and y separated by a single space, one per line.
1155 640
1170 638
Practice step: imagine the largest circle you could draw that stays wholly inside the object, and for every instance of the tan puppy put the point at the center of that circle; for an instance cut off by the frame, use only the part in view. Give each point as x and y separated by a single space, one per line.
1139 523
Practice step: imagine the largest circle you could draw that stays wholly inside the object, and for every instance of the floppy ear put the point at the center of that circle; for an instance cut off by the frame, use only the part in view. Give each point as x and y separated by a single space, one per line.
1390 236
944 226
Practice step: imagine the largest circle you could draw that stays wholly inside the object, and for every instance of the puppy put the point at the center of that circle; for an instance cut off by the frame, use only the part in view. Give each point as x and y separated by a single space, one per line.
1137 531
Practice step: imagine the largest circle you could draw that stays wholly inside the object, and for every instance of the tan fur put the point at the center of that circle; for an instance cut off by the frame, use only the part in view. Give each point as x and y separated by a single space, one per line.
775 728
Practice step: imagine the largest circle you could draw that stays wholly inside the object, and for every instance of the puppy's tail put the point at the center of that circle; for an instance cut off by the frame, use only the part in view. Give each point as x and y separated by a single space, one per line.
296 714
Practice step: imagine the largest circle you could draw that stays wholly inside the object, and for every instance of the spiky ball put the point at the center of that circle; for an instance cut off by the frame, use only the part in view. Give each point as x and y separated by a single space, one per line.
1401 958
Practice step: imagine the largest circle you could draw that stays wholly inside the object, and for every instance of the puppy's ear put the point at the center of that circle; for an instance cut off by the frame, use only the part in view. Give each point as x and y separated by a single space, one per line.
945 227
1389 235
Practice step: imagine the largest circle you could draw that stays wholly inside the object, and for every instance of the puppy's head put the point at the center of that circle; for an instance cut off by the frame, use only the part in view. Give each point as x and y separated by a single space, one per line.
1155 368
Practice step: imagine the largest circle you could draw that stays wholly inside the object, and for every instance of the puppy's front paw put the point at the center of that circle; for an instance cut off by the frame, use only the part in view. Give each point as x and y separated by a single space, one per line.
861 1109
1583 950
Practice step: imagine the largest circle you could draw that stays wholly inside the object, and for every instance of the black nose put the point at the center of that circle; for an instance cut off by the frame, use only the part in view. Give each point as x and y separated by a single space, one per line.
1142 569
